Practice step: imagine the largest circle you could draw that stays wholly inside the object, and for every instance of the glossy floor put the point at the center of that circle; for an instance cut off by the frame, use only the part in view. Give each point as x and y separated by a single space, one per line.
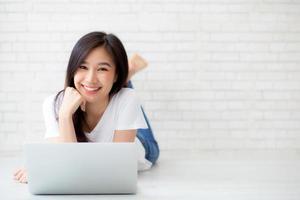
247 174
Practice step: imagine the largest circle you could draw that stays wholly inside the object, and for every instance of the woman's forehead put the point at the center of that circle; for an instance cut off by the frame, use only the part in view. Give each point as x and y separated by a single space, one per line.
98 55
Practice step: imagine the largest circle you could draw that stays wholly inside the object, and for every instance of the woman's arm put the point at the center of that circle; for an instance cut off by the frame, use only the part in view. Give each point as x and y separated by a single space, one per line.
66 131
124 135
71 101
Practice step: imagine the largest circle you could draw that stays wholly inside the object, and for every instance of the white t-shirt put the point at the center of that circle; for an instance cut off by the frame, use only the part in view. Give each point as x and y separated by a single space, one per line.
122 113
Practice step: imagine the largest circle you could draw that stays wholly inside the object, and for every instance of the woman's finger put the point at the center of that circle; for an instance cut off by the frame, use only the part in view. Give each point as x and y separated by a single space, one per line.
21 178
16 172
20 174
24 179
71 101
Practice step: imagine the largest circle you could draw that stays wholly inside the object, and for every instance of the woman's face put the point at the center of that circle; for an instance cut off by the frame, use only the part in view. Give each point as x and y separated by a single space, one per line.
95 77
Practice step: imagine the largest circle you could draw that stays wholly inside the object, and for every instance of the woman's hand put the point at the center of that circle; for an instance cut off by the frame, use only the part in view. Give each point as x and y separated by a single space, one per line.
21 175
71 101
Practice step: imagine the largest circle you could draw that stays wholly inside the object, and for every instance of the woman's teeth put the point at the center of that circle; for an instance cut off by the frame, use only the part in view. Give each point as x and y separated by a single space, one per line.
91 88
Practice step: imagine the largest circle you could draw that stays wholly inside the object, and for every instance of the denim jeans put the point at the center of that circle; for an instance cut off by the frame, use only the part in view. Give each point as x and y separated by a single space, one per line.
147 138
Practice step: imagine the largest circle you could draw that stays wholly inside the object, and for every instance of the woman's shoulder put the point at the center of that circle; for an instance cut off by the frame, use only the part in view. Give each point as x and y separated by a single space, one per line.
125 97
51 99
125 93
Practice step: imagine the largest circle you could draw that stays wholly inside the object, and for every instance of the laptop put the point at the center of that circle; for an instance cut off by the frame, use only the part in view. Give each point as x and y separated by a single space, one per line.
81 168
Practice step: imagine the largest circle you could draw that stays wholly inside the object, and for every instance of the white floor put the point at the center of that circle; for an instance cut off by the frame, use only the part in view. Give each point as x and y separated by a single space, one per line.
258 175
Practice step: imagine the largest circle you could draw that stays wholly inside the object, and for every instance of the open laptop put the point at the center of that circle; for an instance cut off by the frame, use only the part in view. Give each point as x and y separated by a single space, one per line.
81 168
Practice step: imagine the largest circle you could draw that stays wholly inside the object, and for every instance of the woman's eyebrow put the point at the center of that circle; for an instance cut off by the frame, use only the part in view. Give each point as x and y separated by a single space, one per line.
100 63
104 63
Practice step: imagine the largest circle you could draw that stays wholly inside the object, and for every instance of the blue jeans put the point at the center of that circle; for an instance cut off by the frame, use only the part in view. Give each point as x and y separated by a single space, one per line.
147 138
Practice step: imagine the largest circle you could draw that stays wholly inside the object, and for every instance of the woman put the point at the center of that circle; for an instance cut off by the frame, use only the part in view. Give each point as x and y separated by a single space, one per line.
94 105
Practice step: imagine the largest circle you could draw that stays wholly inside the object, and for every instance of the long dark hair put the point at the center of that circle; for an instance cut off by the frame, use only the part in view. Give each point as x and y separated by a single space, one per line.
82 48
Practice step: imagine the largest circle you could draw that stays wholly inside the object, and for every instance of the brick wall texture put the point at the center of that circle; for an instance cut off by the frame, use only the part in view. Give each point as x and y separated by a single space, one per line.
223 74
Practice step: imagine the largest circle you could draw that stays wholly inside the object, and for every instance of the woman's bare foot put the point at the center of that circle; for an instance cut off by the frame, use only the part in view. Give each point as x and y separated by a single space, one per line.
136 63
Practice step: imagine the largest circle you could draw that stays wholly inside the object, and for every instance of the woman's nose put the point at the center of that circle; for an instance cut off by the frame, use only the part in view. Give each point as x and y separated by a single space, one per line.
91 76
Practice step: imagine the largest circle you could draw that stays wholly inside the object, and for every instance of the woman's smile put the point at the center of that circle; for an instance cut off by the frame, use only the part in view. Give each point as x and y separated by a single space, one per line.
90 89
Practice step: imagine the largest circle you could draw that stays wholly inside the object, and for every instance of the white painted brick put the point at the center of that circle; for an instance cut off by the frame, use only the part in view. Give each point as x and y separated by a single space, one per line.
149 7
284 115
7 57
290 85
237 124
295 115
12 17
218 124
252 47
238 105
173 125
178 7
201 115
13 27
167 115
241 8
13 117
210 76
204 144
186 95
217 46
246 76
279 8
5 47
222 74
227 37
203 56
203 126
289 56
225 57
7 106
6 127
17 7
221 85
235 27
13 142
211 27
234 115
230 95
264 85
279 95
187 21
242 85
259 57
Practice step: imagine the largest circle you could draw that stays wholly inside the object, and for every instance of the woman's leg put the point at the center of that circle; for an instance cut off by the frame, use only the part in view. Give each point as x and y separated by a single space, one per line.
147 138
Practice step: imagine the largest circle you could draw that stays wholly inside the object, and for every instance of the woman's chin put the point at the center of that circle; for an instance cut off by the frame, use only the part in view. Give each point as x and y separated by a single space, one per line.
89 99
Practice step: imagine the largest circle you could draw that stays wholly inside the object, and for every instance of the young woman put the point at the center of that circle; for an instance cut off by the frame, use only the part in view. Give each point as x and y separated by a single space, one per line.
98 103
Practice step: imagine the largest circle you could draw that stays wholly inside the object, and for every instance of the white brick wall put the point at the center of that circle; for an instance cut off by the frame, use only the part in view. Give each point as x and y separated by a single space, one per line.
223 74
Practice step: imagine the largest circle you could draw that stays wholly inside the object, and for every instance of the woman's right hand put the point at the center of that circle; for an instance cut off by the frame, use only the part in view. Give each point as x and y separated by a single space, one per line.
71 101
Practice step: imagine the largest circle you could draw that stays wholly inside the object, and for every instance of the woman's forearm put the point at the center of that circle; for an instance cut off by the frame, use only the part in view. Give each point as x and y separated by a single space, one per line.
66 129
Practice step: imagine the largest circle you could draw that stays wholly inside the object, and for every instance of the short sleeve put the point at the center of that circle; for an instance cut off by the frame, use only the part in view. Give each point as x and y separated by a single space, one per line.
51 123
130 115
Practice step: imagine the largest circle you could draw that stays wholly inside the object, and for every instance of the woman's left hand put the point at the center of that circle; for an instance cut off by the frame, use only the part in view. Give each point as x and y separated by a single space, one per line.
21 175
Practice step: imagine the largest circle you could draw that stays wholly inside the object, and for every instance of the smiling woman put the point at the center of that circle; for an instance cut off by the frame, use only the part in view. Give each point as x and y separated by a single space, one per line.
98 103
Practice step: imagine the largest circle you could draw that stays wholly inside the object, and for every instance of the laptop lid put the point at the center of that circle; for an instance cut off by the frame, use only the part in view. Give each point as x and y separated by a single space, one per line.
81 168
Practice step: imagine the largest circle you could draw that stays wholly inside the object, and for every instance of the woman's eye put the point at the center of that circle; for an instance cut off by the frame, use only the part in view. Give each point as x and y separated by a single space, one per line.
102 69
82 67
